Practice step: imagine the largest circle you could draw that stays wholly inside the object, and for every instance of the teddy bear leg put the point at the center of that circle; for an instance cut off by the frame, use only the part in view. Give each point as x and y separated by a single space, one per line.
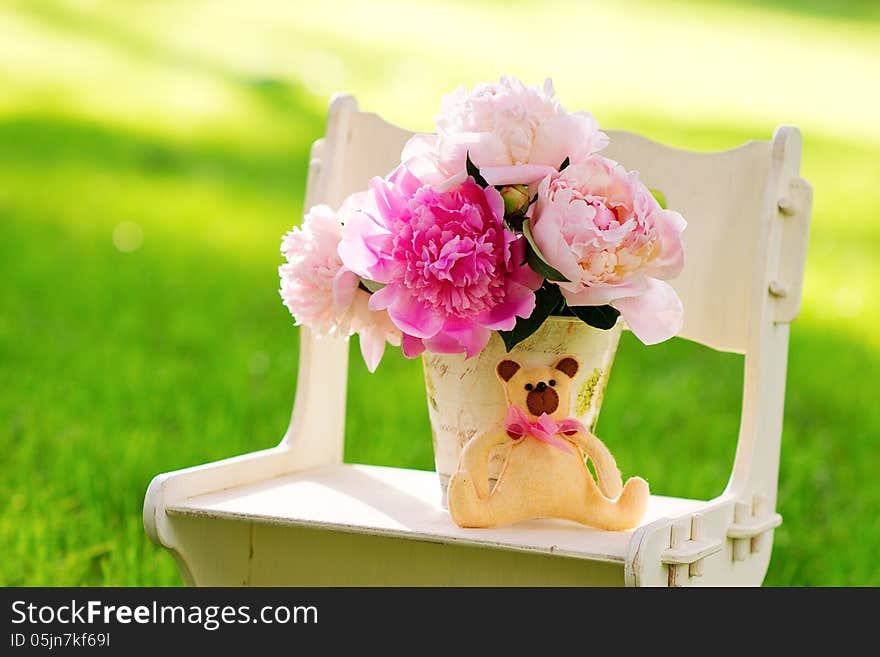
465 506
625 512
501 507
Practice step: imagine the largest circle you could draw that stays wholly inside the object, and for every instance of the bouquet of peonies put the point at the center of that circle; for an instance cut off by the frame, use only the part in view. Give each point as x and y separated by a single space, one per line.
503 217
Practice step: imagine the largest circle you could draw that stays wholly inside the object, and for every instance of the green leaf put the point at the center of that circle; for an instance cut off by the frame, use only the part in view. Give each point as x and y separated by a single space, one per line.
563 310
658 195
371 286
473 171
600 317
565 163
536 259
547 299
542 268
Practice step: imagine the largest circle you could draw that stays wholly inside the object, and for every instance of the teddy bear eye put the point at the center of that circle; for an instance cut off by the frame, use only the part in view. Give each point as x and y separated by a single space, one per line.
552 382
529 386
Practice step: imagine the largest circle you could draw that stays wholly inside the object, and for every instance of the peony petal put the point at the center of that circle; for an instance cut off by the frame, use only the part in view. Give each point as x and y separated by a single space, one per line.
450 183
546 229
670 262
364 242
495 202
655 315
594 140
385 197
428 170
456 338
372 345
516 174
523 274
404 184
420 157
574 136
412 346
599 295
345 285
519 301
526 276
420 145
475 341
444 343
485 150
554 141
407 313
384 297
353 204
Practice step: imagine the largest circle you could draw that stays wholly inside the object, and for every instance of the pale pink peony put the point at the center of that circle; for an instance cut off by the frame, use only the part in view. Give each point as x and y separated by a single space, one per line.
325 296
603 230
451 271
374 327
515 134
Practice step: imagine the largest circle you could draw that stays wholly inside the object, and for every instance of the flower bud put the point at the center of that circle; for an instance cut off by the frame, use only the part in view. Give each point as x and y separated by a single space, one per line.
516 200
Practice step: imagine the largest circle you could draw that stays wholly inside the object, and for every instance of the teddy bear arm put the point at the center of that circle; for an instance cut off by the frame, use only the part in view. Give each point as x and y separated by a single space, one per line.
475 457
608 475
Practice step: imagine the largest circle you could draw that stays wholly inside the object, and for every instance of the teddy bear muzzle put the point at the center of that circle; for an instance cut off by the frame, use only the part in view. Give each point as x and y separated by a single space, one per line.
542 399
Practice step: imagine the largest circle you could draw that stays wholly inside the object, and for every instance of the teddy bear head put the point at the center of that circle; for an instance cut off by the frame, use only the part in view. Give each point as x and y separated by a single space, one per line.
539 390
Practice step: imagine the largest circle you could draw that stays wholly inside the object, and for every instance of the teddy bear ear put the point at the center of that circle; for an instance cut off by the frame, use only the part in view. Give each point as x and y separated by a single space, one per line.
506 369
567 365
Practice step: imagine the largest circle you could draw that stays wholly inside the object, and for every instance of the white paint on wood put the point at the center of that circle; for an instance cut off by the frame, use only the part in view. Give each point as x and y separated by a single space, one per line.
762 516
695 568
741 514
404 503
678 571
688 549
288 555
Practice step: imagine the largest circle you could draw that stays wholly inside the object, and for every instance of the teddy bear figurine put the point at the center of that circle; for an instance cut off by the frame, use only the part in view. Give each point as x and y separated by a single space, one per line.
545 474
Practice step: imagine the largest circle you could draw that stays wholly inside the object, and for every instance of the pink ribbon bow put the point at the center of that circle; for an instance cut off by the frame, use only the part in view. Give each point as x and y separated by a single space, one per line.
545 429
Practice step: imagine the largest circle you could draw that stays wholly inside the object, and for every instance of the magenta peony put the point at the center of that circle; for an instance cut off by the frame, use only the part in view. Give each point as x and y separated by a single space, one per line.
451 271
601 228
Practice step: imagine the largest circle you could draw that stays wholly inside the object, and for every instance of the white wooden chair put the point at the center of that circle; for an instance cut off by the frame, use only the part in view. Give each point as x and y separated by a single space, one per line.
297 515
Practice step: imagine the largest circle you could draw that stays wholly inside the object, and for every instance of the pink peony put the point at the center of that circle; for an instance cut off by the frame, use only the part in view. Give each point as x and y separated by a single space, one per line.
604 231
515 134
325 296
451 271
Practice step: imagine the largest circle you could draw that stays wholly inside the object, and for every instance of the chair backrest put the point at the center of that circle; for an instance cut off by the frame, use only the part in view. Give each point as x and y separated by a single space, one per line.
729 199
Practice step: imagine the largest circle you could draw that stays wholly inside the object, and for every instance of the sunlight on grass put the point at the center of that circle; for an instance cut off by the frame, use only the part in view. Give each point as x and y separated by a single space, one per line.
163 58
759 67
76 64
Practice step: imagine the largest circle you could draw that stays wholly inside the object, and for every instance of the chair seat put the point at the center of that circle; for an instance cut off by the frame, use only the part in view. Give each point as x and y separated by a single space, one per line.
403 503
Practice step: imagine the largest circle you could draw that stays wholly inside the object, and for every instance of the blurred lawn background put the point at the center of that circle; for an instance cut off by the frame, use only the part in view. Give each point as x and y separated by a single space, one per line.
153 153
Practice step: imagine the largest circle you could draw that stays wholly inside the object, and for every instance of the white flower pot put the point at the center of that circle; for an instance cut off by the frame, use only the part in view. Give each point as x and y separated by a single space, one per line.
465 397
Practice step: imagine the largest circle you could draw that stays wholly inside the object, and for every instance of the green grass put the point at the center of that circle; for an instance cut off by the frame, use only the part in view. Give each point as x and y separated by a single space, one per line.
192 120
